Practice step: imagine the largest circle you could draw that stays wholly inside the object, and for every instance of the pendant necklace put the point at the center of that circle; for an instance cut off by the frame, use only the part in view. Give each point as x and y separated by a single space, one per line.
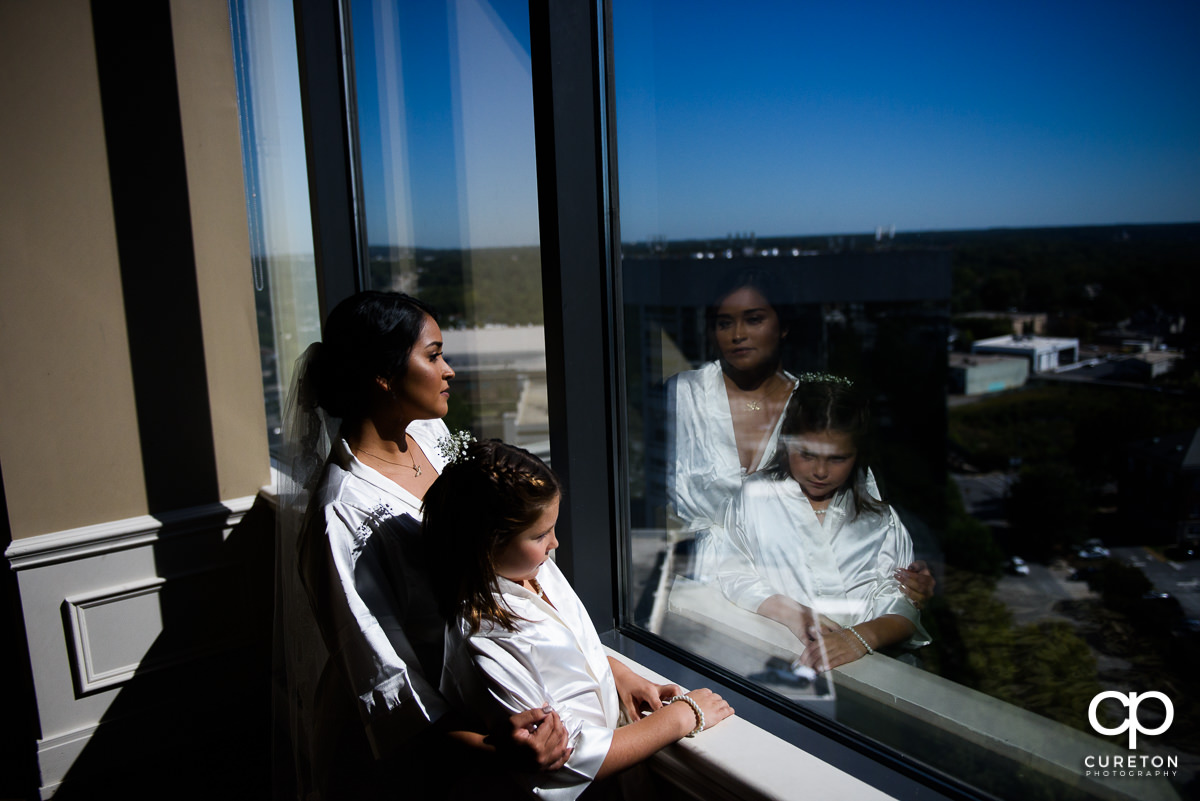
416 468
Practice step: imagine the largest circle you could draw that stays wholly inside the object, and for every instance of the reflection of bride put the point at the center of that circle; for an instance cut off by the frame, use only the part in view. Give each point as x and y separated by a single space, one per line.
724 417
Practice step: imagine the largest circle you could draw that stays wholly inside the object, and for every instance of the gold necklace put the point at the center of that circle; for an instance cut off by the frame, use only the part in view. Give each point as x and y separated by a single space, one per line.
756 404
416 468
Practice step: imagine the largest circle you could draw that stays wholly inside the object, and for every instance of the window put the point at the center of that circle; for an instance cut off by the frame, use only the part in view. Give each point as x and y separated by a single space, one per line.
445 137
910 182
445 193
915 181
273 158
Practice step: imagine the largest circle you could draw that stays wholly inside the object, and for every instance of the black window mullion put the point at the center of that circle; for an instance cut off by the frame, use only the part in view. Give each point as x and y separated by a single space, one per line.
576 286
327 99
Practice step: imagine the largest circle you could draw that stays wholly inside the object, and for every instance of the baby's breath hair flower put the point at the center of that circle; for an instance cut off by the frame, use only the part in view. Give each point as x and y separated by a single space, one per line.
823 378
454 447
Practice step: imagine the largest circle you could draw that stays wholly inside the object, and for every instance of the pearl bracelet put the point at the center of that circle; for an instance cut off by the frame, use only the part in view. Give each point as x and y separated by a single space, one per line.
687 699
870 650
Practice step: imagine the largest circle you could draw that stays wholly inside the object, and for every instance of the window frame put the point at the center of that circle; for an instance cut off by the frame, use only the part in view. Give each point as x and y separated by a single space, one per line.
324 50
574 121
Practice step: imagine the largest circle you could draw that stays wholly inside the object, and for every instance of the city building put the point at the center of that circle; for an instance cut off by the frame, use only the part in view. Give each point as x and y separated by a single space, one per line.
1045 354
977 374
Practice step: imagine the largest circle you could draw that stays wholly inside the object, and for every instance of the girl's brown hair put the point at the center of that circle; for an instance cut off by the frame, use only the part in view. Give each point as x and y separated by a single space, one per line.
829 403
475 508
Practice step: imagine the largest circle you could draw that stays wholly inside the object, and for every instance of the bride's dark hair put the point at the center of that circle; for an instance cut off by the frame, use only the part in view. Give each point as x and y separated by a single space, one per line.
368 335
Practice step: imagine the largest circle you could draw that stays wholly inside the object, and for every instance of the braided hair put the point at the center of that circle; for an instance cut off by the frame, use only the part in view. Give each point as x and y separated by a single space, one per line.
474 509
823 402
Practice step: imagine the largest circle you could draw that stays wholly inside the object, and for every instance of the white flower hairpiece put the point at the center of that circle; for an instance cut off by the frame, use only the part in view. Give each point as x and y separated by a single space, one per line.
454 447
823 378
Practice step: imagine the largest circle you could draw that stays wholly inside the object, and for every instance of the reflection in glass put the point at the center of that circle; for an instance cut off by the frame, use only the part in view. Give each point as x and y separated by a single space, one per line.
834 313
723 418
916 188
281 246
445 124
809 542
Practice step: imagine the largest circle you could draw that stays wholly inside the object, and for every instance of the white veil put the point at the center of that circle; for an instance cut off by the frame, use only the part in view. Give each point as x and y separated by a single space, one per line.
299 653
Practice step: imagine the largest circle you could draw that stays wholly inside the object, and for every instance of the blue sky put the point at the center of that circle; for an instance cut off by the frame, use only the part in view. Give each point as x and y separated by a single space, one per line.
792 118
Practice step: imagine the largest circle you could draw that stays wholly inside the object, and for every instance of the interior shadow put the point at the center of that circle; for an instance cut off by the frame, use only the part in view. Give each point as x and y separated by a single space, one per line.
188 724
19 730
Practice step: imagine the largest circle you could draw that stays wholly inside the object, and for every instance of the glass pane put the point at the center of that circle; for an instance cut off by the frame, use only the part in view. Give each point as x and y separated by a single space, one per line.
985 219
445 122
264 40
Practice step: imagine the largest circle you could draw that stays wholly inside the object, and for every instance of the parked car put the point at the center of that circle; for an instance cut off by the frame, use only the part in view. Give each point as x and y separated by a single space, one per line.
1094 549
1182 553
1017 566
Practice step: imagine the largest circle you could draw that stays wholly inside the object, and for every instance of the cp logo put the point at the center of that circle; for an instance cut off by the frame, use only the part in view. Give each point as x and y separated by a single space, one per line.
1132 723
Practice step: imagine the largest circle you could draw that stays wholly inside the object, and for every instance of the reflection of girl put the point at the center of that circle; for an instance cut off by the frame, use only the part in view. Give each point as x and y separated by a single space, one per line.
725 416
809 542
522 638
362 691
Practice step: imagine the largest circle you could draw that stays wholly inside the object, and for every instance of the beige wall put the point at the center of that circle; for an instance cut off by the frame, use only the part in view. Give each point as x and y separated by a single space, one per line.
68 433
208 107
69 445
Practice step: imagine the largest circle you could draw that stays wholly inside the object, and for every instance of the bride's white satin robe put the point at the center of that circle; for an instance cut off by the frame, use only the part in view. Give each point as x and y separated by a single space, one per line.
373 606
704 470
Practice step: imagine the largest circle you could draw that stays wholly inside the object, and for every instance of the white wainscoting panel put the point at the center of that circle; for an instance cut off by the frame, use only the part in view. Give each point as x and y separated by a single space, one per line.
97 602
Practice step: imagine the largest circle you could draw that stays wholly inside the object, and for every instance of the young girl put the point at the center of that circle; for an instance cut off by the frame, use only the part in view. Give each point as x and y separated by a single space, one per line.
810 543
521 638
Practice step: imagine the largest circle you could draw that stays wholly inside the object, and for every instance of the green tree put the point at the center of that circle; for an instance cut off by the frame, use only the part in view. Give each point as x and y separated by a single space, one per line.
967 543
1120 585
1047 510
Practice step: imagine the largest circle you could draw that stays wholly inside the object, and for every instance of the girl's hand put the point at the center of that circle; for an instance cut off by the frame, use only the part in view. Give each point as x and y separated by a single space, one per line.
536 741
638 694
799 619
839 647
824 626
916 582
714 707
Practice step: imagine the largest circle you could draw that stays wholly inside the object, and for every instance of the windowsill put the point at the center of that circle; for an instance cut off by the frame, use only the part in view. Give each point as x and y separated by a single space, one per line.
738 760
924 716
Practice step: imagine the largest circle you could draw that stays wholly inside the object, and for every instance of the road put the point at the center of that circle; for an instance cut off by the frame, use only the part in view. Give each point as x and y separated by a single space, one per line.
1181 579
1032 598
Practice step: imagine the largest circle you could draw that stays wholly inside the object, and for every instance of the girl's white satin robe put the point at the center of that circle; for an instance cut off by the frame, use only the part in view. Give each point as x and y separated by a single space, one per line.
554 659
775 545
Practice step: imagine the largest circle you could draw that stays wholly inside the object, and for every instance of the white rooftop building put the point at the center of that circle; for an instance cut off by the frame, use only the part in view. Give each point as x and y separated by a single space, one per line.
1045 354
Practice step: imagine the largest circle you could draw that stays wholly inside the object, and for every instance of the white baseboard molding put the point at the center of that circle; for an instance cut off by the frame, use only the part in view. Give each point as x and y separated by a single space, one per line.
56 755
